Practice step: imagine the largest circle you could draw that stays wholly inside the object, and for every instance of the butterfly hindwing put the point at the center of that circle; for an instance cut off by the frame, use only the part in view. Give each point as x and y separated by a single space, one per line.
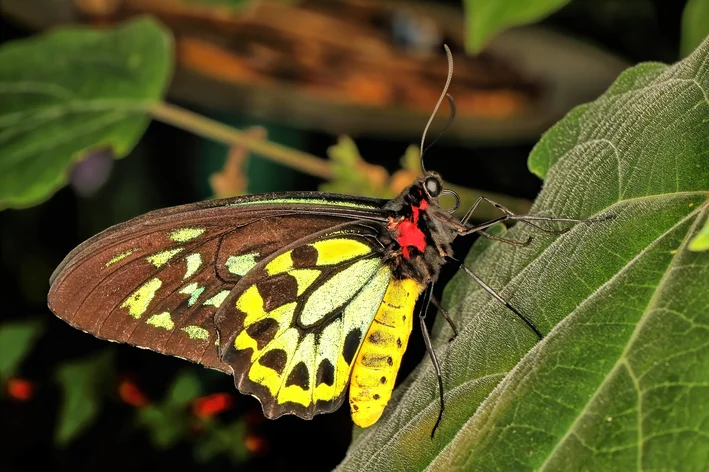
292 327
157 281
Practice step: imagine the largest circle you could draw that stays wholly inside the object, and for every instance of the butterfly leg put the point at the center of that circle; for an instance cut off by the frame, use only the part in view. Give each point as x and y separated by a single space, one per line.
512 242
499 298
529 220
446 316
431 352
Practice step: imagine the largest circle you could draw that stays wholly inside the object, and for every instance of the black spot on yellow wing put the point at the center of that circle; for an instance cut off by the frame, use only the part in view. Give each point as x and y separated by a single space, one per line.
304 256
299 376
351 345
326 373
277 291
275 359
263 331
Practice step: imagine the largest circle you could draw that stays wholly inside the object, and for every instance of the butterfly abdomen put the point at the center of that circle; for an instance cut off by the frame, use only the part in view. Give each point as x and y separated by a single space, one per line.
378 361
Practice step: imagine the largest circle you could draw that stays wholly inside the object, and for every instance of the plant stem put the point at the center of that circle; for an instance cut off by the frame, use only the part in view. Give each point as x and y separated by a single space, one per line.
212 129
299 160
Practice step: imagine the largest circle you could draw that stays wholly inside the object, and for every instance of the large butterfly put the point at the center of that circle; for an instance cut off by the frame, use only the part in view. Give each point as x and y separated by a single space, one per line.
296 295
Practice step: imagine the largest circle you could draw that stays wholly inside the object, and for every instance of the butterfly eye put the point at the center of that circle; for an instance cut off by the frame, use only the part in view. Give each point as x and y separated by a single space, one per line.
433 186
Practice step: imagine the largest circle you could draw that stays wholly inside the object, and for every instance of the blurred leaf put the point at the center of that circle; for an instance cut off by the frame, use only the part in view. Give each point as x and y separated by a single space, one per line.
700 242
411 160
219 439
166 426
16 340
352 175
695 25
169 421
620 381
486 18
185 388
83 384
69 92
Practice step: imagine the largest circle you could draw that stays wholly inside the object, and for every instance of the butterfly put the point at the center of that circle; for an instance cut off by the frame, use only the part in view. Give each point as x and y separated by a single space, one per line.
298 296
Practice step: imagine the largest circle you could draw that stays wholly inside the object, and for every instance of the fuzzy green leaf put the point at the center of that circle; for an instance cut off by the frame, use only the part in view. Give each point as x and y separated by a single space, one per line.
83 384
621 378
16 340
169 421
71 91
486 18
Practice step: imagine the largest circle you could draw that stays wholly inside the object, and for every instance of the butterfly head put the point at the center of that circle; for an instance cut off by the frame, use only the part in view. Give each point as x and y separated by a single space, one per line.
432 188
432 185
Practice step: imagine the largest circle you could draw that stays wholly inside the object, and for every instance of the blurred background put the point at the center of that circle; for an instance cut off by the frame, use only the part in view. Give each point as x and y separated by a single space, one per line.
351 82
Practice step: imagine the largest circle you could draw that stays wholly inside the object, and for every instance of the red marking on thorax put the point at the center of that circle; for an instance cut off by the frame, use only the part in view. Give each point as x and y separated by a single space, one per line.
408 232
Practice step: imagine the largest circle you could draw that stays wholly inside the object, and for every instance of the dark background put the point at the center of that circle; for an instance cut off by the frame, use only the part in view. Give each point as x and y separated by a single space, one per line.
170 167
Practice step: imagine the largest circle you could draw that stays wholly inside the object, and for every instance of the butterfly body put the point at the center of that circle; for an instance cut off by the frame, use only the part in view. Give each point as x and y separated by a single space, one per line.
296 295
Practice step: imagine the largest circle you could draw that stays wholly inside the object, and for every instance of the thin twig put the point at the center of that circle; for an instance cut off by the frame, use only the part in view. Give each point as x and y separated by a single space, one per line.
208 128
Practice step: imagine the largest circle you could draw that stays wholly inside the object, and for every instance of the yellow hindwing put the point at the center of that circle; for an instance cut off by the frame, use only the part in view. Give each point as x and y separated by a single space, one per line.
379 358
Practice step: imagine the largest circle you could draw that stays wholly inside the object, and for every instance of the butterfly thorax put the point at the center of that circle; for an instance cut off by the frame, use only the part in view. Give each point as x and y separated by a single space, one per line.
419 237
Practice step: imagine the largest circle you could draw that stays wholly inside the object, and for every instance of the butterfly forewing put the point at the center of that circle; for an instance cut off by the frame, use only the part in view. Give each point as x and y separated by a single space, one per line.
158 280
291 328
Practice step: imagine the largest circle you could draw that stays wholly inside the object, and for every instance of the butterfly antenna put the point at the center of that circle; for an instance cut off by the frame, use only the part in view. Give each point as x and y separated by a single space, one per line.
451 102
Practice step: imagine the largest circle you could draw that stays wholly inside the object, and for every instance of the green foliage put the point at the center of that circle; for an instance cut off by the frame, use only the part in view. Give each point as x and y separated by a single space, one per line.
71 91
620 380
486 18
16 340
171 421
220 440
168 421
83 384
695 25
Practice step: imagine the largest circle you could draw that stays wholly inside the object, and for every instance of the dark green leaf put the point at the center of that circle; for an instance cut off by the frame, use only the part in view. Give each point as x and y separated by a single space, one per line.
219 439
16 340
185 388
71 91
620 381
695 25
485 18
169 421
166 426
83 384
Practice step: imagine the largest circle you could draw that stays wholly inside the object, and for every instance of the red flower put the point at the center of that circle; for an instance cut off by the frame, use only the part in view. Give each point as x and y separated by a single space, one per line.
131 394
20 389
255 444
211 405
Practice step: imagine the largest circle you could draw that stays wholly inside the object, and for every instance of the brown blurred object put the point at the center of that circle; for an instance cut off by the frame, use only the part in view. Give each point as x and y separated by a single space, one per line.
98 8
337 50
358 66
231 180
